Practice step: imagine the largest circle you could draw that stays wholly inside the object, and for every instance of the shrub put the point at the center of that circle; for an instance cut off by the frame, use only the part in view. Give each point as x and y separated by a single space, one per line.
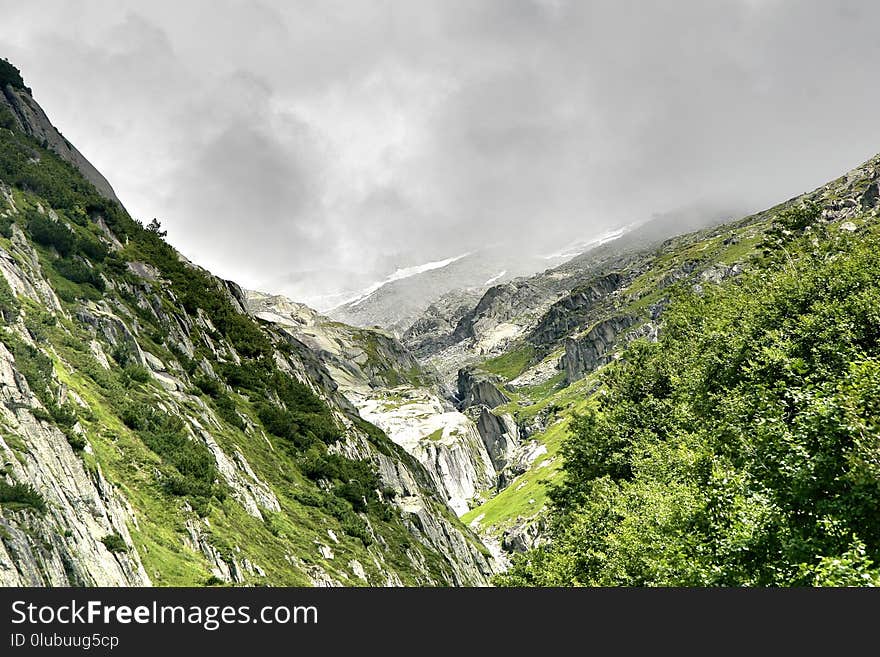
20 495
741 448
9 305
134 415
137 373
51 233
75 440
7 120
92 248
78 272
226 410
208 385
9 74
6 227
115 543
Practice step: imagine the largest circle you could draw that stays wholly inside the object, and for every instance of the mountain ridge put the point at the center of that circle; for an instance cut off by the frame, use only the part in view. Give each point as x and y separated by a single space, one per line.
155 433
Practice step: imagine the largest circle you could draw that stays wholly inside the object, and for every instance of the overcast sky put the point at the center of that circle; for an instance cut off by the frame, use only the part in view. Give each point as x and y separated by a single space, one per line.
310 146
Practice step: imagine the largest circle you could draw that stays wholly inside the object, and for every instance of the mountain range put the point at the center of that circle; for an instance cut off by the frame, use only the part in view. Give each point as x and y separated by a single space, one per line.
162 426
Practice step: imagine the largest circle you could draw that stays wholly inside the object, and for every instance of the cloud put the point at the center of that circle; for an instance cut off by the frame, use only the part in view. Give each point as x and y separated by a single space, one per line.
312 148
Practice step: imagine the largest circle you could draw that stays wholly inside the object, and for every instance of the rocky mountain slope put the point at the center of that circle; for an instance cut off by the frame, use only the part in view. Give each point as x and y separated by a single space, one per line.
467 450
162 426
549 367
153 432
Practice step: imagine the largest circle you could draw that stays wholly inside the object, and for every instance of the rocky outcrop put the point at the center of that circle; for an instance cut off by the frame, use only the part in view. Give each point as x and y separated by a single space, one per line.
443 440
525 535
32 120
456 461
61 546
500 435
355 357
585 353
574 310
499 304
476 388
871 198
433 330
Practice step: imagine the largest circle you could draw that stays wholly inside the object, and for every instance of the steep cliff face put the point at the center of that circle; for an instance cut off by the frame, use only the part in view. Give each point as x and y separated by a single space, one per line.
24 114
389 388
153 432
574 310
476 388
587 352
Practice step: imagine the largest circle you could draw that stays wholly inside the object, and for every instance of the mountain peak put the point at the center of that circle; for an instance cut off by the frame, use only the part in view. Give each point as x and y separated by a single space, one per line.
20 112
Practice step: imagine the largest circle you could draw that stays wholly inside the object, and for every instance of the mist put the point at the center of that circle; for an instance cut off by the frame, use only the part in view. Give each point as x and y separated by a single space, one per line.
313 149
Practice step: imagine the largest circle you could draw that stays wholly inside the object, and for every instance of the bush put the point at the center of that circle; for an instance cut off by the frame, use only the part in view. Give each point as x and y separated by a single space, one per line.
16 496
226 410
190 468
49 233
80 273
207 385
75 440
742 448
115 543
6 227
9 305
92 248
7 120
134 415
9 74
137 373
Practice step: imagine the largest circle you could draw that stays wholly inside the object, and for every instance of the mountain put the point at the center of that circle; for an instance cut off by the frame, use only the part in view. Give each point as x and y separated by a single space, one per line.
19 112
467 452
155 432
561 362
700 407
399 300
738 446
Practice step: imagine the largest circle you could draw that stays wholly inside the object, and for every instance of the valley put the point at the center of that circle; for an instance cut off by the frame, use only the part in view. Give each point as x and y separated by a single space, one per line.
162 426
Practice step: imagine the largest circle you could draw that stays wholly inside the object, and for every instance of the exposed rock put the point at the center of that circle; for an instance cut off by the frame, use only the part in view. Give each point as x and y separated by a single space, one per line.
871 197
444 441
476 388
574 310
355 357
500 435
525 535
63 546
585 353
143 270
433 330
32 120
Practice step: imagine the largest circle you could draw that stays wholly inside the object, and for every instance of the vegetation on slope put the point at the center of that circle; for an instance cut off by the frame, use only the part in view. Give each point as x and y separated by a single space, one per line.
150 441
742 448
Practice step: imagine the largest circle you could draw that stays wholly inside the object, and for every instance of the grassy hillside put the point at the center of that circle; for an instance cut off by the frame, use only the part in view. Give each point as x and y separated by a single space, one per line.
236 462
742 447
689 267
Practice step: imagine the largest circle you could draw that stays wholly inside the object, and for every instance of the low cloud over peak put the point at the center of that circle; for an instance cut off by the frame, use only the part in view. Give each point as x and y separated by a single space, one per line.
313 148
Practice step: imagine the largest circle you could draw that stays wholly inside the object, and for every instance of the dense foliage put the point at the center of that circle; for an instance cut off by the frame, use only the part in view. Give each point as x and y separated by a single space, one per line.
9 74
75 258
744 447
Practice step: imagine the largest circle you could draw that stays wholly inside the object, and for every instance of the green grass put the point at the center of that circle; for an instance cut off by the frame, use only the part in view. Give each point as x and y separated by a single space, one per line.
435 435
510 364
526 496
541 391
746 246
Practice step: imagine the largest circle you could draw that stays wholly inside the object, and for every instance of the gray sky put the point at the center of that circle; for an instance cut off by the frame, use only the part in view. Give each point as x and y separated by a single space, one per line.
309 146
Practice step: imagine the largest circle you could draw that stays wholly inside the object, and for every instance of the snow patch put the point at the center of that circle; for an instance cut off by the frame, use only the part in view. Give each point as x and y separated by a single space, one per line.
401 273
495 278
